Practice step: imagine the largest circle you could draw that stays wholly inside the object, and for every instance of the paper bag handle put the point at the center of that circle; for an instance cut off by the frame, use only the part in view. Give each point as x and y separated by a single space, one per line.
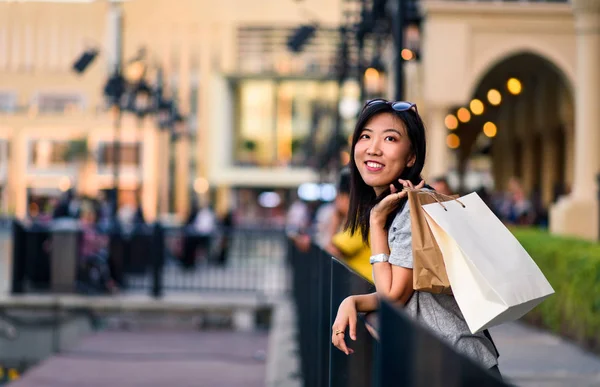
434 194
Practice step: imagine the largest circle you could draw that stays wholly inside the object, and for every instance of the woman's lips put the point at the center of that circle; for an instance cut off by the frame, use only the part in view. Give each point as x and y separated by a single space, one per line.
374 166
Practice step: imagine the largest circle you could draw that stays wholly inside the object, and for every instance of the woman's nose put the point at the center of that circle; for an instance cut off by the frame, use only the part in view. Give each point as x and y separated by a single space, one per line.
374 148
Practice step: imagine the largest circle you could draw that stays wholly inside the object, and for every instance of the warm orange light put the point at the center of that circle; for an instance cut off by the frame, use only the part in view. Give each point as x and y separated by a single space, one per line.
490 129
514 86
407 54
371 75
201 185
64 183
451 121
463 115
453 141
476 107
494 97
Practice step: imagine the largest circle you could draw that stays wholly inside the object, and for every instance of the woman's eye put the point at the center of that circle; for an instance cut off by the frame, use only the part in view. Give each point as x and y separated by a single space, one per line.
390 138
363 136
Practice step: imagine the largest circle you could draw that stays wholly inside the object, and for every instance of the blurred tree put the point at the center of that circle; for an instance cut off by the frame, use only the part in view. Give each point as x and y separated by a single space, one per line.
79 155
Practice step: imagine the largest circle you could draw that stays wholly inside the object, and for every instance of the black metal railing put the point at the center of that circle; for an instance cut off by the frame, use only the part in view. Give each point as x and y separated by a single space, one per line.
148 258
404 355
320 283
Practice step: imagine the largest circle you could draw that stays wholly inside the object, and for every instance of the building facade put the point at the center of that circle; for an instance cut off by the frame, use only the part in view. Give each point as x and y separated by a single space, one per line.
526 75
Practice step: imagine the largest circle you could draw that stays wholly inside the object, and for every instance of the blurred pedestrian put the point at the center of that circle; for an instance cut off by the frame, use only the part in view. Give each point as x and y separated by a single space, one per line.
345 245
441 185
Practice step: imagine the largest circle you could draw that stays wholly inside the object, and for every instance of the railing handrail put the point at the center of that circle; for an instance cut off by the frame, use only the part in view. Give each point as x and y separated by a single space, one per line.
380 366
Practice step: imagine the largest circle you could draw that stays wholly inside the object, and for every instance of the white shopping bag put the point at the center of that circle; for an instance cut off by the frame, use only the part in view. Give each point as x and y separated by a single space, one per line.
493 278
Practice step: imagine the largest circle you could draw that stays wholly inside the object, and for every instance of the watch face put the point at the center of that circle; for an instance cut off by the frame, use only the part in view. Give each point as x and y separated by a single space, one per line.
379 258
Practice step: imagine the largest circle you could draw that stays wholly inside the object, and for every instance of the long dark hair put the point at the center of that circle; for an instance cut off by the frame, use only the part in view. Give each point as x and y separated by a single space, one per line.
362 196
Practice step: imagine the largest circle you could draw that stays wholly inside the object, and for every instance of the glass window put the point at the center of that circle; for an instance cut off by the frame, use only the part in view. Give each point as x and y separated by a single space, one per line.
8 102
48 153
130 154
256 140
58 103
284 122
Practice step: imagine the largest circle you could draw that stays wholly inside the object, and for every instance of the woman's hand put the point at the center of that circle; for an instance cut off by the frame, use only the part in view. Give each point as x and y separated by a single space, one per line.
380 212
346 318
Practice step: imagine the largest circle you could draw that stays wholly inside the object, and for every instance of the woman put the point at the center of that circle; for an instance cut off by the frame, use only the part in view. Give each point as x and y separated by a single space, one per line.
388 153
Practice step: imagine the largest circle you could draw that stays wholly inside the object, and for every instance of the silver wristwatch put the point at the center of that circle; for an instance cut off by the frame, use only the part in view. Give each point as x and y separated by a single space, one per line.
379 258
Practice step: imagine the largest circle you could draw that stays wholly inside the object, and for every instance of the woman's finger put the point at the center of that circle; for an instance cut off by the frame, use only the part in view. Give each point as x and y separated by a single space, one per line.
393 188
421 184
352 327
341 343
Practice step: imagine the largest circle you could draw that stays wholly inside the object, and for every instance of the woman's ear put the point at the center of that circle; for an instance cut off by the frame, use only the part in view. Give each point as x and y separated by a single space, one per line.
411 160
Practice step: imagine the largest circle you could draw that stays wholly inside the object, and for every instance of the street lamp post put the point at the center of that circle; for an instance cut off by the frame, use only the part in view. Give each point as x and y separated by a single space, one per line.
114 91
398 31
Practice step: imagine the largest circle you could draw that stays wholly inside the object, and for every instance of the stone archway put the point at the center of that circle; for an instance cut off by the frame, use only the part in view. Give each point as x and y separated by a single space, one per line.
534 128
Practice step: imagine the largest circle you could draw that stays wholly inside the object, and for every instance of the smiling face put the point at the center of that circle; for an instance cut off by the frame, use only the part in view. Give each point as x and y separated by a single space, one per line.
382 151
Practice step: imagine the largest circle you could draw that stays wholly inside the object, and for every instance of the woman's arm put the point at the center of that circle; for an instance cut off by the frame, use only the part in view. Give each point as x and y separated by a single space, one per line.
366 303
392 282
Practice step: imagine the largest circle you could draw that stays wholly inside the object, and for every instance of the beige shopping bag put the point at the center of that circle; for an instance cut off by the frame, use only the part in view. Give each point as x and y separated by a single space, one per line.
429 271
493 278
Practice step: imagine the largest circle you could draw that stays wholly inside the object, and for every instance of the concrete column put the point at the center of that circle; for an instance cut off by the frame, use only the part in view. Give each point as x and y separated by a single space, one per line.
150 172
223 204
569 131
182 176
577 214
529 166
203 139
438 154
525 132
17 173
503 152
549 167
163 169
566 118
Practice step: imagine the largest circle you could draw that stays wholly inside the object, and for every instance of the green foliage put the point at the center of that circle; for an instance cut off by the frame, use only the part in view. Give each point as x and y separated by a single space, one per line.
572 267
249 145
77 150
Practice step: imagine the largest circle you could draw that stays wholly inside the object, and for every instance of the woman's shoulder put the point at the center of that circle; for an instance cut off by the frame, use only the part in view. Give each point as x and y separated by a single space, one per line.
402 218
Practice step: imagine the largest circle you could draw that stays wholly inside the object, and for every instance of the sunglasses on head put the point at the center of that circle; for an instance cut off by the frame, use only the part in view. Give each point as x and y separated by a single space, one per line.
399 106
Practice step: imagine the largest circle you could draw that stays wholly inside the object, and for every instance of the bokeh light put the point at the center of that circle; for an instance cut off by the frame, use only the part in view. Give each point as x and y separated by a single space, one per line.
453 141
451 121
514 86
476 107
494 97
463 115
490 129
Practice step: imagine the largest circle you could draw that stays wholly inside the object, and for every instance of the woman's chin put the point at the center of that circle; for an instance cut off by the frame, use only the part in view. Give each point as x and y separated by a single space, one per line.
378 184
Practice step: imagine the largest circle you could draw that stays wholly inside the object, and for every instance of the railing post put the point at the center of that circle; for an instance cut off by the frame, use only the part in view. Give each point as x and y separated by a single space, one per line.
323 264
598 179
355 370
158 261
18 258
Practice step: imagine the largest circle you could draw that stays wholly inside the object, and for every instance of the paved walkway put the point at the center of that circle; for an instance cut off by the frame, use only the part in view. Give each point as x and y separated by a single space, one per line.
533 358
156 359
529 357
